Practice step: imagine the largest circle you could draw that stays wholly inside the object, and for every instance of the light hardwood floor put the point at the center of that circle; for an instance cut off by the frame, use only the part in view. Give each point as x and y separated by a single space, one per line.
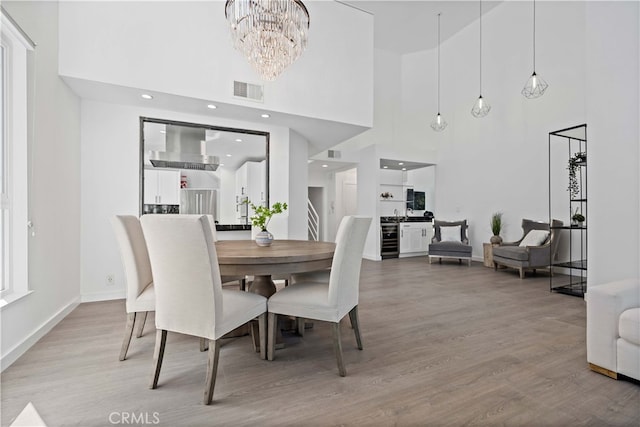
443 345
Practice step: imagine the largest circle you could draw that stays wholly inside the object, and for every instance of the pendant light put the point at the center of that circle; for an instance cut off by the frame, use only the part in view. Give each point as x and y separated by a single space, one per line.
481 108
439 123
535 86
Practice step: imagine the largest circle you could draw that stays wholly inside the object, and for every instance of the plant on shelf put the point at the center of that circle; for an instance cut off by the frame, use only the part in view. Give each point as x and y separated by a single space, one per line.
496 227
578 218
386 195
578 159
261 218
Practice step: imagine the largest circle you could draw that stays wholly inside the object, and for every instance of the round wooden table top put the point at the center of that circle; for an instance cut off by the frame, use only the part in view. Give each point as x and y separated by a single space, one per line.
282 257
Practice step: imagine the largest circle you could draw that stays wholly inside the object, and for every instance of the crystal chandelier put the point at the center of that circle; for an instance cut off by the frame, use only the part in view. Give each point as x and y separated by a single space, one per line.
271 34
535 86
481 108
439 123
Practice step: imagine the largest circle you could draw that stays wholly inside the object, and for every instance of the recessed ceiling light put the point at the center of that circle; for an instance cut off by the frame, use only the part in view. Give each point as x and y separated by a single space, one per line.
400 163
221 164
325 166
163 131
228 155
385 167
238 140
404 169
211 106
265 116
146 96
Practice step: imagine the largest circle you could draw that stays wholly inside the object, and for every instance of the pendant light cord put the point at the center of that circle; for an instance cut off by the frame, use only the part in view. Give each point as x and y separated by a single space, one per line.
534 36
439 63
480 47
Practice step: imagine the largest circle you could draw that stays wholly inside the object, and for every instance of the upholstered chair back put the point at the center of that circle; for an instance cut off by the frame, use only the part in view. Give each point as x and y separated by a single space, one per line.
437 225
344 279
554 240
186 274
135 257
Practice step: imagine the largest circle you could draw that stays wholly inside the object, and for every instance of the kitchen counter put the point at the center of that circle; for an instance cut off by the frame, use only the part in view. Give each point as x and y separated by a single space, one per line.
232 227
388 219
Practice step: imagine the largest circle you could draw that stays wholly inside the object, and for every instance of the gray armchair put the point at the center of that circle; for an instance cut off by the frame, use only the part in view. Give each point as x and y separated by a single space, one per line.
510 254
444 248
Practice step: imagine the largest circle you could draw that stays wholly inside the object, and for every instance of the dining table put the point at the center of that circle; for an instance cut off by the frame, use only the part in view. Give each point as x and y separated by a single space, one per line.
283 257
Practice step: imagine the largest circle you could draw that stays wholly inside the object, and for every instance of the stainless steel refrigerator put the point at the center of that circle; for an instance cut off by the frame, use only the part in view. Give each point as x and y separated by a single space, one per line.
203 202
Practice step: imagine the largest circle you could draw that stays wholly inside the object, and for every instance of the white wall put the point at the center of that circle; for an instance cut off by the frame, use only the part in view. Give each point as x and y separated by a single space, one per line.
184 48
298 179
54 185
613 51
368 180
499 163
110 176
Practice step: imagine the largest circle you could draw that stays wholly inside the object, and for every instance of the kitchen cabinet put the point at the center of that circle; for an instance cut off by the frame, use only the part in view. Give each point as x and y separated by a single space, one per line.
415 237
161 187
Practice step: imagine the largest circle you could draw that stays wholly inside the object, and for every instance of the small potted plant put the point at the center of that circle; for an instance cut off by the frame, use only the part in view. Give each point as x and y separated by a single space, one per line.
261 218
578 218
496 227
386 195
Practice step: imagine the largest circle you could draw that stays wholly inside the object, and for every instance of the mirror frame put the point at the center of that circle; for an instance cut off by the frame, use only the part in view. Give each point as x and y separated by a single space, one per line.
144 120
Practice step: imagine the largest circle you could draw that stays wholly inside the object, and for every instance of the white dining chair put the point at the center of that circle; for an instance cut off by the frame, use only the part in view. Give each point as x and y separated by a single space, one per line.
189 295
329 301
139 280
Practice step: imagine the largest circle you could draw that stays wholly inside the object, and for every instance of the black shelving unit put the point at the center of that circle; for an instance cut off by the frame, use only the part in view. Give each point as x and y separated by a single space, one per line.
568 195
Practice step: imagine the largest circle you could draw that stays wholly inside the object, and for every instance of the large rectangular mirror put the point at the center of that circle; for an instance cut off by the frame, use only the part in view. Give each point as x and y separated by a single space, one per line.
201 169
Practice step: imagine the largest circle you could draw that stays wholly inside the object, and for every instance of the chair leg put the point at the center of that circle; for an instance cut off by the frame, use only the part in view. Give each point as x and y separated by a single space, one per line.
337 348
459 261
212 370
262 331
495 266
128 332
141 321
429 259
158 354
521 272
355 324
271 335
300 325
204 346
440 260
243 284
469 261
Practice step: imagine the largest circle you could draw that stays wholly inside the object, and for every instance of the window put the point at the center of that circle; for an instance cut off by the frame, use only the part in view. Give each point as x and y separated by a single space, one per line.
14 47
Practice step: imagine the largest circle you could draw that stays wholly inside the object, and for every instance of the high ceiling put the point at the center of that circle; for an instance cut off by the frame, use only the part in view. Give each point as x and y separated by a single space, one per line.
411 26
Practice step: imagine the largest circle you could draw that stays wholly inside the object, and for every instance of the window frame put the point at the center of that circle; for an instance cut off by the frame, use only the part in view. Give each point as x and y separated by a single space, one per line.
14 197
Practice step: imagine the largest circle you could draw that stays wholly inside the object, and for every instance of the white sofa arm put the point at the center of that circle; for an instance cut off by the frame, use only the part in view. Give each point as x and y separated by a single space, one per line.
605 303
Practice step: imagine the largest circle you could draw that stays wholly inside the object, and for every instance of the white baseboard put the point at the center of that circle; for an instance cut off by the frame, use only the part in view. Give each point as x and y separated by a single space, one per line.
20 348
103 296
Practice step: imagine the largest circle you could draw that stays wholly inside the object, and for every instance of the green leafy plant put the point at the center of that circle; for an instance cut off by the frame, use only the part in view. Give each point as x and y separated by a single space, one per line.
496 223
578 159
262 214
577 216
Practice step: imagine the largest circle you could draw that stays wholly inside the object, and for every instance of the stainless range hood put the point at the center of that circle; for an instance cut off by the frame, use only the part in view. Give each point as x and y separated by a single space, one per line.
185 149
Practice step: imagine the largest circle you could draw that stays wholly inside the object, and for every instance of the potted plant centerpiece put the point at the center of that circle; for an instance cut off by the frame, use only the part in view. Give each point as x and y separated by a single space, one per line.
496 227
261 217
